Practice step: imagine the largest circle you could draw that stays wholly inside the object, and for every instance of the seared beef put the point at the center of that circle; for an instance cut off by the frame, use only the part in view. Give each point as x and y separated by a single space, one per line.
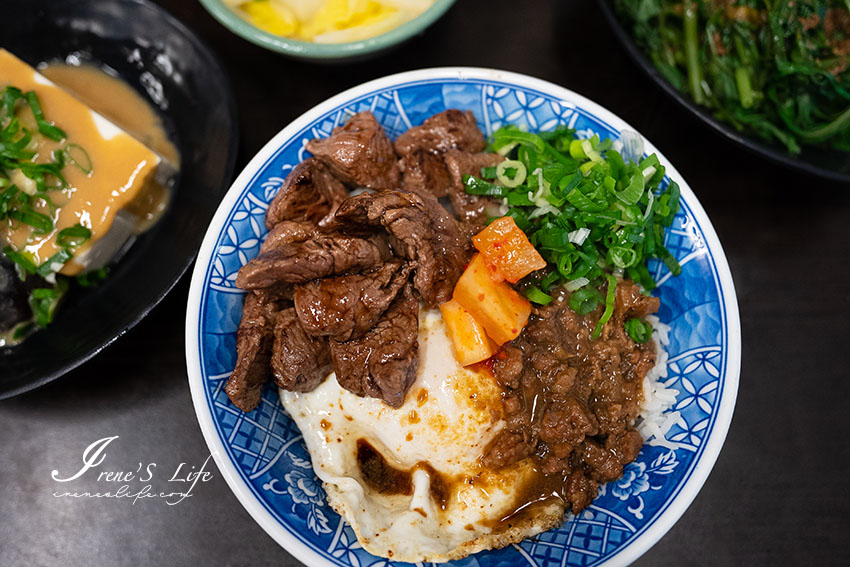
310 193
333 256
359 153
253 351
278 292
422 147
468 207
345 307
288 232
570 401
424 172
326 254
383 362
438 261
451 129
630 302
300 362
452 240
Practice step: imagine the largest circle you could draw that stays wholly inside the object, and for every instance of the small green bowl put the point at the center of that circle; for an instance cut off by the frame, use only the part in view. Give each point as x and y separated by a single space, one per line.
325 52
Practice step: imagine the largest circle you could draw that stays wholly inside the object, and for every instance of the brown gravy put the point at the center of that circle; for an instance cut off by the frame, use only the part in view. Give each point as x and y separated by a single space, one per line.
535 493
571 401
384 478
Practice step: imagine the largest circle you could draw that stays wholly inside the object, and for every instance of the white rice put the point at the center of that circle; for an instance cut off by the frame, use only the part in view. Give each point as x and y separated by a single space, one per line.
656 417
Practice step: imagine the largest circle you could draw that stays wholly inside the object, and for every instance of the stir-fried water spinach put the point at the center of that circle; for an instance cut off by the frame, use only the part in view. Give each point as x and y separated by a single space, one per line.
777 69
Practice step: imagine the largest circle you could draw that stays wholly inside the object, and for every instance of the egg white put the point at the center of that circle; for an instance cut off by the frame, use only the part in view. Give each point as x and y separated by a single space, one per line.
449 417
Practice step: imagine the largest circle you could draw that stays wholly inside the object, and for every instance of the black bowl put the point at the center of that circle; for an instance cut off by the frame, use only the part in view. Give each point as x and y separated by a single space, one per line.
830 164
145 46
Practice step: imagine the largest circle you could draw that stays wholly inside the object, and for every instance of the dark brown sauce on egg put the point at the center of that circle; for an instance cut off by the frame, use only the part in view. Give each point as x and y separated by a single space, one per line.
378 474
384 478
536 493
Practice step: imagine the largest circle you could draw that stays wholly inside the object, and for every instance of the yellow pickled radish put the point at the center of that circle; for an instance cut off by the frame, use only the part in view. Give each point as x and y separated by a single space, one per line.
270 16
335 15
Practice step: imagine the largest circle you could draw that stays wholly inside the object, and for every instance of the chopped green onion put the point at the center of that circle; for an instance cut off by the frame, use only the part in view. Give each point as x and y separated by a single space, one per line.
44 301
586 209
40 222
488 172
512 135
580 201
577 150
11 95
6 197
93 278
639 330
584 300
20 259
518 176
587 167
535 295
633 192
475 186
22 205
669 261
79 157
54 263
622 257
73 236
53 132
549 279
609 306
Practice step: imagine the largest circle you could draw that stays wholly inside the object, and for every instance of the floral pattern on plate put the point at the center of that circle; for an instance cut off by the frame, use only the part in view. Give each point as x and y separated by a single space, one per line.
265 448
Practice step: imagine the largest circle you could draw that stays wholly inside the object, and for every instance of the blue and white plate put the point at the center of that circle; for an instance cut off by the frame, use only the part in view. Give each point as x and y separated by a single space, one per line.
262 455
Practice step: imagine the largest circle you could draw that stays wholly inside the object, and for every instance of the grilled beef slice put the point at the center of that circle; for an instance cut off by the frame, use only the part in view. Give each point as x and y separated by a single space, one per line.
438 259
359 153
345 307
470 208
383 362
288 232
325 254
422 148
253 351
300 361
424 172
310 193
451 129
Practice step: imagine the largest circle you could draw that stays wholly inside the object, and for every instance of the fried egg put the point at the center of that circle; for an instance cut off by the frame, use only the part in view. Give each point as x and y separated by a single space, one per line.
409 480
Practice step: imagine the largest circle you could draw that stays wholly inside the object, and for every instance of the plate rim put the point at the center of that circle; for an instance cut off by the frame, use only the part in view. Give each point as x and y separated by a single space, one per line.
270 525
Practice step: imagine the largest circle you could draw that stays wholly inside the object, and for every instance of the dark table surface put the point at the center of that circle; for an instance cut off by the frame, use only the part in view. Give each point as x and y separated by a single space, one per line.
779 493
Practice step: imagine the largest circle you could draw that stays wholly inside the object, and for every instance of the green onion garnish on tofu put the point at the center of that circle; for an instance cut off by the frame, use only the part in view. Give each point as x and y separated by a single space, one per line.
73 236
44 301
26 183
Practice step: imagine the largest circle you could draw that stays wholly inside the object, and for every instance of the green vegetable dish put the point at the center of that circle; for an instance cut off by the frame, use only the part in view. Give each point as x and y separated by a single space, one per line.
778 70
593 214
